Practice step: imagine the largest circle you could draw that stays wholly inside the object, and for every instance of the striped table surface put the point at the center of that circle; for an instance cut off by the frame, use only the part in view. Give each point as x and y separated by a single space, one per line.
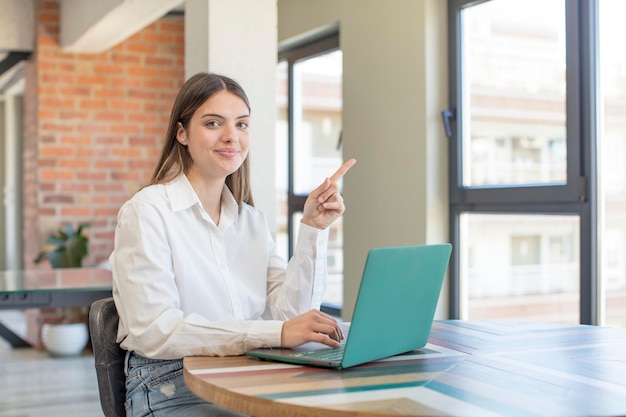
468 368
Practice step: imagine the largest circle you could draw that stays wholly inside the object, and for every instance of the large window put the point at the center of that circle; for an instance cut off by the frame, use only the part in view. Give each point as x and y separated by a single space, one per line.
524 200
538 160
308 143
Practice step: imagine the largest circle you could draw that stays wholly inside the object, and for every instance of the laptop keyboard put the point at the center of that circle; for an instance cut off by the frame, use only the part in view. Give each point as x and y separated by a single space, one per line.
332 354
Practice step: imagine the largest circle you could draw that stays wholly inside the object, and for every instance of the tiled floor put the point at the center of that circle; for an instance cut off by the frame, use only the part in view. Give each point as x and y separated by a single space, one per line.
33 384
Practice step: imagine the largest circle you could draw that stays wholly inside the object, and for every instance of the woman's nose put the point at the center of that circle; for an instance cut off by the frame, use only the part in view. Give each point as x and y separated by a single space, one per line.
230 134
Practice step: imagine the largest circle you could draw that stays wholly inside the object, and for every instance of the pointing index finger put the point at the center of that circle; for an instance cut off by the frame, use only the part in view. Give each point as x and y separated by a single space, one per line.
342 170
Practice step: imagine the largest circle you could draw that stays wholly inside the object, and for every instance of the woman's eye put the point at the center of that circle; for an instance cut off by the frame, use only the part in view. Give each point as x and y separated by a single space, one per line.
243 125
213 123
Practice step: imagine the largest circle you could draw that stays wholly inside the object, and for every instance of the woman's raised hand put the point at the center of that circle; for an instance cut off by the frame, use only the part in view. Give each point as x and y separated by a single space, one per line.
324 205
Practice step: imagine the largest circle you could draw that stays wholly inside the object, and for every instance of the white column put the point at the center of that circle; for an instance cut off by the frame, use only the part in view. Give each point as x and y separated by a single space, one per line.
238 39
10 195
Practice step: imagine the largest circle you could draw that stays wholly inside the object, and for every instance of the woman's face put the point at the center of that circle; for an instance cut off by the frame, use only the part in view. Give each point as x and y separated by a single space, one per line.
217 136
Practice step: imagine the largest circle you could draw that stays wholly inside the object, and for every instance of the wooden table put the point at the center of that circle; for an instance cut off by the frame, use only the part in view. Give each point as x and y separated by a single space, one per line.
50 289
469 368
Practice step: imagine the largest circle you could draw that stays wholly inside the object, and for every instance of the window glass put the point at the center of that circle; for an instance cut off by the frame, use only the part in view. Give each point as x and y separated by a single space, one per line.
317 119
514 115
612 164
520 267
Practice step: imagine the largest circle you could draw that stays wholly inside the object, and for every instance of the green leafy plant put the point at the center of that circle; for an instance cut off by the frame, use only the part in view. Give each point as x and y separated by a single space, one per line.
69 247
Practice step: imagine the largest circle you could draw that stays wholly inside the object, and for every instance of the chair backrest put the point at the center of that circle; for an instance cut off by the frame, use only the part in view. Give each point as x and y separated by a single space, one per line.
109 357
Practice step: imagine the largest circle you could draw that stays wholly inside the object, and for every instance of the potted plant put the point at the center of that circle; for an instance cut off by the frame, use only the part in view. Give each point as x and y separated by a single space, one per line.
68 247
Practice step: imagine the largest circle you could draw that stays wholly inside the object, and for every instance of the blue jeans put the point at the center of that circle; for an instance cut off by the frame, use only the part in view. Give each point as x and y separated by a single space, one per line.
156 388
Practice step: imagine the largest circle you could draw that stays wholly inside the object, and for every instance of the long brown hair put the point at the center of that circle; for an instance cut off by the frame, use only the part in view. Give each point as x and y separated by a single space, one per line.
175 158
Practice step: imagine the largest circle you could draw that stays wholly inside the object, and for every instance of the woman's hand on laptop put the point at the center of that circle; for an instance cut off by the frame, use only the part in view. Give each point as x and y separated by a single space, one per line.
312 326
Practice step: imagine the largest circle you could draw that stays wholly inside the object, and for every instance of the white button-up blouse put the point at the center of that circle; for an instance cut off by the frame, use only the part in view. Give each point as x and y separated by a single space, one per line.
184 286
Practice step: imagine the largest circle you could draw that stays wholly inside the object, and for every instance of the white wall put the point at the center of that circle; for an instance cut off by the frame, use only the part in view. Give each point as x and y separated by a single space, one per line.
395 85
16 25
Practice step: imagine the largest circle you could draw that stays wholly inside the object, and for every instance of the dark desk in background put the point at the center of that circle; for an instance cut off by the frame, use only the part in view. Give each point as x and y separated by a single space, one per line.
20 290
469 368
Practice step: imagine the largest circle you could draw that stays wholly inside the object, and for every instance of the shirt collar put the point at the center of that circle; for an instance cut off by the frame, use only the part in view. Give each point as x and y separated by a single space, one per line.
181 193
182 196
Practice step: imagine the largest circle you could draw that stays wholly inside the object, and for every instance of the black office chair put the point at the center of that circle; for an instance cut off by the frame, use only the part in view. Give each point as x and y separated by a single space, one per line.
109 357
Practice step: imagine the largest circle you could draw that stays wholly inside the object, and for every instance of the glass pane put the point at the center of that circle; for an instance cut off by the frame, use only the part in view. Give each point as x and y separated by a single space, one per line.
317 103
514 93
612 164
520 267
282 155
334 289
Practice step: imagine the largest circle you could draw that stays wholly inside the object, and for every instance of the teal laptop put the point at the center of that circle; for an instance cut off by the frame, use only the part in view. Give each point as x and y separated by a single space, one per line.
394 309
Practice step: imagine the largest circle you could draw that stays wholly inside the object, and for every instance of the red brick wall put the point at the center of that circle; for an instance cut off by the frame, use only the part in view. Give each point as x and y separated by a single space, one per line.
94 127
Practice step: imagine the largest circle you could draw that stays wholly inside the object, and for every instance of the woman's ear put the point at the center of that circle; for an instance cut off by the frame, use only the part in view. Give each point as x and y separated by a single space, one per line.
181 134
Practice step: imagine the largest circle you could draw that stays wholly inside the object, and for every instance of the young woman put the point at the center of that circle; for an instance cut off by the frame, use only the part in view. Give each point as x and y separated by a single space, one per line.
195 268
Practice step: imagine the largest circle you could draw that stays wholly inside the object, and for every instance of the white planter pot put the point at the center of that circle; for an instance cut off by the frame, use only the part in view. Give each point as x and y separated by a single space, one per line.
66 339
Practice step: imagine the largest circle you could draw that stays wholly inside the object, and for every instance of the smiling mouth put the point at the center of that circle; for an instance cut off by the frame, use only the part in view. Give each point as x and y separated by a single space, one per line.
227 152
